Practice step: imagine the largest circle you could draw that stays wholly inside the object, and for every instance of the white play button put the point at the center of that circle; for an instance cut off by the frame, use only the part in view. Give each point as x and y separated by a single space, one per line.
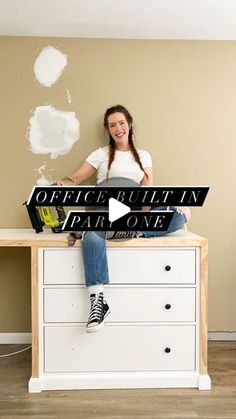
117 209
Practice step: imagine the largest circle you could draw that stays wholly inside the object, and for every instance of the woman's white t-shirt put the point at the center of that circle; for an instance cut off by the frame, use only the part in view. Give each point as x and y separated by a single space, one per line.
123 165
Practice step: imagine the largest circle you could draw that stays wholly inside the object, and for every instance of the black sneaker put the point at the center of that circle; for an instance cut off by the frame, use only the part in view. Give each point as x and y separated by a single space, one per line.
106 309
98 311
110 235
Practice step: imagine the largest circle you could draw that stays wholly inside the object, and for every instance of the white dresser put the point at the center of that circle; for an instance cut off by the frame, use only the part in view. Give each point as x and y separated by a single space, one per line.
154 335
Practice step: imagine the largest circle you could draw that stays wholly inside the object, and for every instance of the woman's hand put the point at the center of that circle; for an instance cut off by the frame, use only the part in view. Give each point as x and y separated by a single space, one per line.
147 181
148 177
66 181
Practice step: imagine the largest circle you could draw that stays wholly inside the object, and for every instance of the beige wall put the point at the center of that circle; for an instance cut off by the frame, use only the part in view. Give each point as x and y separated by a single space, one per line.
182 95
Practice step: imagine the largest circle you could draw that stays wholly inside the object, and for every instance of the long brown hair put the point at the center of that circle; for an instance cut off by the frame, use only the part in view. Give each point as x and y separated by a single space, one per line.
112 144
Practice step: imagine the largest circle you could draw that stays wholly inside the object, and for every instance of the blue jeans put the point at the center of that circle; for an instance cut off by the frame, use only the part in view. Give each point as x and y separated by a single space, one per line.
95 254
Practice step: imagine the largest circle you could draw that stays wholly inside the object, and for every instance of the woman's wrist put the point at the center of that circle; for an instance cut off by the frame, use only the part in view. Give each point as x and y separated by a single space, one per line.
67 180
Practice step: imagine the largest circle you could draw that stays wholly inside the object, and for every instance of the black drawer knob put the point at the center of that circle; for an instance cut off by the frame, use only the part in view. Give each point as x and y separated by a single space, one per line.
167 306
167 267
167 350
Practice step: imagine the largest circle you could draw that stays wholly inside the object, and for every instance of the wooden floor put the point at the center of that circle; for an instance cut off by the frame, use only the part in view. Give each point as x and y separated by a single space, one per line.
220 402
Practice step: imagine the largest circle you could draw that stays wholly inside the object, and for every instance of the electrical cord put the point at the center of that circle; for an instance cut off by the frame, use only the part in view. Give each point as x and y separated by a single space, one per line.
17 352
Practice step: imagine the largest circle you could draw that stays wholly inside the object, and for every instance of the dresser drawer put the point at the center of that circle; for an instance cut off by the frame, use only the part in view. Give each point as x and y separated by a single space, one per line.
63 266
152 265
127 304
119 348
126 265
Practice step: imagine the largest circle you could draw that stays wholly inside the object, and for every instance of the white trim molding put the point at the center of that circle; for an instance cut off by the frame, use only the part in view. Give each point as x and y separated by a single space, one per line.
221 335
15 338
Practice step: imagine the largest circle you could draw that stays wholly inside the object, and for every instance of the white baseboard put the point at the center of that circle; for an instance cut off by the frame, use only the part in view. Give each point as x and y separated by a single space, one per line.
15 338
119 380
221 335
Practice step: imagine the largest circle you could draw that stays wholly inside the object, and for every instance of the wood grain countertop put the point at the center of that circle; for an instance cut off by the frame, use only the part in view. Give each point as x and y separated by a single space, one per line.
28 238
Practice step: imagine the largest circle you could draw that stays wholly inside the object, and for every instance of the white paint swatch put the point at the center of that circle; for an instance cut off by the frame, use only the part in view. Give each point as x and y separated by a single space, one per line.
49 66
52 131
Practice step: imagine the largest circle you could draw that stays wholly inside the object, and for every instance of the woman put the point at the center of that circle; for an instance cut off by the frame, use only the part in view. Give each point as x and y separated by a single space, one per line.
119 159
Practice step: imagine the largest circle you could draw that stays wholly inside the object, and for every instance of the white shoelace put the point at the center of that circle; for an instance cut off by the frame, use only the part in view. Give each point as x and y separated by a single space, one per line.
96 308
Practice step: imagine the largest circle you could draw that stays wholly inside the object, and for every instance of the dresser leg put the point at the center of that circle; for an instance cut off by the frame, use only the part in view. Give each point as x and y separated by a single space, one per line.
34 385
204 382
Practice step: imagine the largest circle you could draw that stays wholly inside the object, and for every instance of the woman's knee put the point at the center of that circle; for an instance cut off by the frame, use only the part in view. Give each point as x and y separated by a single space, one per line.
178 221
93 236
